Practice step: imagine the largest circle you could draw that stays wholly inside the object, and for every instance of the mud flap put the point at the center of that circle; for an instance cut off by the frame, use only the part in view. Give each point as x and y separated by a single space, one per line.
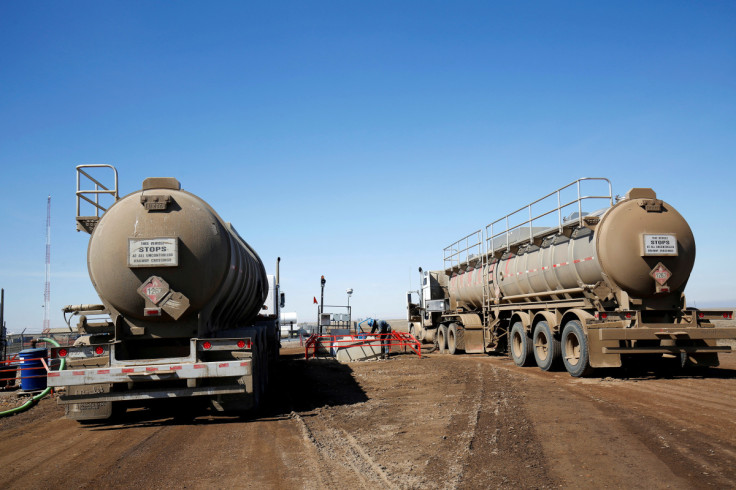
702 359
89 410
236 403
474 342
596 357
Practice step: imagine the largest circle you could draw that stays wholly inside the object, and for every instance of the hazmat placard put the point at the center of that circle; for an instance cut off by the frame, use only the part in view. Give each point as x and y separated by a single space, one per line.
153 252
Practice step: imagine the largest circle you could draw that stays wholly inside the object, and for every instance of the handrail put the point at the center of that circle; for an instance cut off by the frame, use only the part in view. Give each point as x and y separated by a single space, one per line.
99 188
490 235
453 252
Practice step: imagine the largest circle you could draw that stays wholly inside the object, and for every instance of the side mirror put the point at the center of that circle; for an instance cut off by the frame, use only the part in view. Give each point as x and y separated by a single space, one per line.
282 301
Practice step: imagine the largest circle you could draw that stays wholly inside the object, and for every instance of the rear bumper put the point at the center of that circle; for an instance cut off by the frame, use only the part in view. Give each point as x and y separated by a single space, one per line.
674 338
158 372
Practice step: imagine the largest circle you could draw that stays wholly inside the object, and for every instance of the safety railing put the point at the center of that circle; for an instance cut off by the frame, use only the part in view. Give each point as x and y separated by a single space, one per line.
469 249
502 234
327 343
92 196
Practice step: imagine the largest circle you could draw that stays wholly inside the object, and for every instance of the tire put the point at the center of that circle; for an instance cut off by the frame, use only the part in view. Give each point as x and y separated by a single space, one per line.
452 339
575 353
442 339
257 380
547 349
412 331
264 365
520 346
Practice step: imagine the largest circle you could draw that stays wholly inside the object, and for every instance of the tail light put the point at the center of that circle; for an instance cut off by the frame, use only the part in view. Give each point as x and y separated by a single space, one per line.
701 315
241 344
728 315
99 350
628 316
62 352
207 345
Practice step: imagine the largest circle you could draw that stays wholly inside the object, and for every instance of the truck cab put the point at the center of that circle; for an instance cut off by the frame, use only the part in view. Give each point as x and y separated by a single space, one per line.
426 305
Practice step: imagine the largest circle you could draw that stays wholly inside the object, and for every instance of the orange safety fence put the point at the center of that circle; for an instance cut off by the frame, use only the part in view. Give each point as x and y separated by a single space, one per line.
401 340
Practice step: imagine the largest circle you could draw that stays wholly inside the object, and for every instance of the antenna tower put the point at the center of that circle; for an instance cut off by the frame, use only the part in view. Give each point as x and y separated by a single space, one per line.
47 285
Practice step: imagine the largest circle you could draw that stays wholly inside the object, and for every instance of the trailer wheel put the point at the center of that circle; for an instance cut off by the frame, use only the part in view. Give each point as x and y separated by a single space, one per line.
575 353
442 339
547 350
452 339
257 376
264 365
520 346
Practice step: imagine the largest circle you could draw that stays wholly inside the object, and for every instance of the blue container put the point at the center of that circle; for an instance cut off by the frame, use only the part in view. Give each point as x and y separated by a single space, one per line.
32 374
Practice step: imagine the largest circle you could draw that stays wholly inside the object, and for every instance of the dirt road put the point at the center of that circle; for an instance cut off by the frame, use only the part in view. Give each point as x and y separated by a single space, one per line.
436 422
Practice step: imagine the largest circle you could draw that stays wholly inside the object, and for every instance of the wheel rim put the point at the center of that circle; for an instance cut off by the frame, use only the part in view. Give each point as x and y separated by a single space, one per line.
572 349
542 346
516 344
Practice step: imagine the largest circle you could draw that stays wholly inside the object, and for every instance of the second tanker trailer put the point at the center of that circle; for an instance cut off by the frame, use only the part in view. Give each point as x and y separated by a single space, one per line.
583 290
187 308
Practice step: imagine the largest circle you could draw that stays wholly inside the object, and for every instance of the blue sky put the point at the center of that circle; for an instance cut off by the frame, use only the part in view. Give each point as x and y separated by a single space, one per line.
358 139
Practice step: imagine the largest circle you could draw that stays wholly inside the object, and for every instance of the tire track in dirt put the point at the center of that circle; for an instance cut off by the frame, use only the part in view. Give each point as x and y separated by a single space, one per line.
495 443
662 429
337 451
317 453
457 467
690 454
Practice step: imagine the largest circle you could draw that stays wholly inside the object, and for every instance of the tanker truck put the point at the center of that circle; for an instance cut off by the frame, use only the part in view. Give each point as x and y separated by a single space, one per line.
187 309
589 289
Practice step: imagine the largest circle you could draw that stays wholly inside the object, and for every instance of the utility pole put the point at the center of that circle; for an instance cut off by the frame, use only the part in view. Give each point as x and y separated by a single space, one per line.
3 331
350 312
47 285
321 303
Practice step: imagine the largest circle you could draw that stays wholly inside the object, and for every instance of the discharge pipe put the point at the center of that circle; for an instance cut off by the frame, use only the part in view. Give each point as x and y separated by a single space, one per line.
35 398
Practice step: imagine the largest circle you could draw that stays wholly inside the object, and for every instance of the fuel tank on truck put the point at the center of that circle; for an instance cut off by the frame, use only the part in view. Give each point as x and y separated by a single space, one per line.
166 265
640 245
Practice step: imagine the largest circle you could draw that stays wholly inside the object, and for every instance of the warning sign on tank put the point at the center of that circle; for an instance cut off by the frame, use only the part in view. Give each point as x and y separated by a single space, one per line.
660 245
153 252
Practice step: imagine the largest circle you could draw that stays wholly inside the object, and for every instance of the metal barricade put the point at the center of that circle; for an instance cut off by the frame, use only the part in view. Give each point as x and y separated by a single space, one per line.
326 343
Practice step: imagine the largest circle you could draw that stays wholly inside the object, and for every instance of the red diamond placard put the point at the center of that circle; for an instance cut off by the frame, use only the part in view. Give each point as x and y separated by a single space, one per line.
154 289
661 274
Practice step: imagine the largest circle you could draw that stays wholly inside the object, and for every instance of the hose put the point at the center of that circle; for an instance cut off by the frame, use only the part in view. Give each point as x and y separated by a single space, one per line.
35 398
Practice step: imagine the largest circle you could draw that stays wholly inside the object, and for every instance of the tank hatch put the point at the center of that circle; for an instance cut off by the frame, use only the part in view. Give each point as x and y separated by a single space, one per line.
161 183
641 193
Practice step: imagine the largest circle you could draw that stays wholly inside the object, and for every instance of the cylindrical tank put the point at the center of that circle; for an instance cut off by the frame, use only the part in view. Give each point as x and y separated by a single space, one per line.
289 318
32 372
203 258
612 252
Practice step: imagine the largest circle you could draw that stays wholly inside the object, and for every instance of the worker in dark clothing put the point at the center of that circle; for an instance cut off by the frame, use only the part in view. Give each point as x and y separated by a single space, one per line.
382 327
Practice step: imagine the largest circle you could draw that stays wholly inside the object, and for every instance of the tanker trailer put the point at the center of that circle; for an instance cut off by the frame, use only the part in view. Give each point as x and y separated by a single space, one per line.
591 289
187 307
